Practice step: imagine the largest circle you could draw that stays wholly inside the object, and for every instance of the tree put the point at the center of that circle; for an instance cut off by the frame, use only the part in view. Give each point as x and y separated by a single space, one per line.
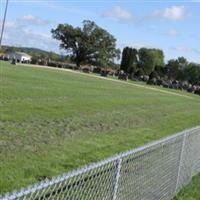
154 74
150 58
172 69
90 44
160 70
129 60
176 68
125 59
192 73
183 63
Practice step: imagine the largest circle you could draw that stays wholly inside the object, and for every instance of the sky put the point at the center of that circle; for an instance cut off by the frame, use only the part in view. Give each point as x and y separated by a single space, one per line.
173 25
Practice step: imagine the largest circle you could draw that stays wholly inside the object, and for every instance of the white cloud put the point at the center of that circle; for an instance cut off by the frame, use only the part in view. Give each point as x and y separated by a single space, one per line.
197 51
171 32
186 49
18 34
174 13
119 14
33 20
181 48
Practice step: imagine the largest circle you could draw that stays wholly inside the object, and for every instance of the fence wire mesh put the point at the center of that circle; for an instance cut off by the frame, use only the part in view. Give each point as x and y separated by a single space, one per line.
155 171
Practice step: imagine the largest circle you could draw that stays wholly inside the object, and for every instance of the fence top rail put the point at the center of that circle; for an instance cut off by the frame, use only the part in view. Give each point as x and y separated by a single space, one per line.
46 183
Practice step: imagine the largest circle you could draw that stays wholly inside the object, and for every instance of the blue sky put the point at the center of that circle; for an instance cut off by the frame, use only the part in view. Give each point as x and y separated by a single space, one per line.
172 26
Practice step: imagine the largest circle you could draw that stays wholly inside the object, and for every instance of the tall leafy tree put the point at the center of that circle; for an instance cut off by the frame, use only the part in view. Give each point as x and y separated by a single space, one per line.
89 44
192 73
125 59
149 59
172 69
183 63
176 68
129 60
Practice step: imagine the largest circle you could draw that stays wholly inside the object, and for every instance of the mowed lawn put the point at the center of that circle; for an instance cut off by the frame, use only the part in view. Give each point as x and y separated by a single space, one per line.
55 121
190 192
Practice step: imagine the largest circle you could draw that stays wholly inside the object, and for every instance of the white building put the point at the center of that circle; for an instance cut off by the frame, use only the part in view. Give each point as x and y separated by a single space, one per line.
18 56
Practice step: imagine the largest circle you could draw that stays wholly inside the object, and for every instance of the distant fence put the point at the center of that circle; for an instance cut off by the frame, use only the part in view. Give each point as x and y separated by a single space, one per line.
155 171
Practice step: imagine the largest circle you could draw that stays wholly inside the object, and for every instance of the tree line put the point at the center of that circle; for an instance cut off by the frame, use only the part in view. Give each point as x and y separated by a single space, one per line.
94 45
36 54
150 62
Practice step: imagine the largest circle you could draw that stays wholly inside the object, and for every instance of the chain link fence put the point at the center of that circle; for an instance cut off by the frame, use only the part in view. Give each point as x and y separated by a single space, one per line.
155 171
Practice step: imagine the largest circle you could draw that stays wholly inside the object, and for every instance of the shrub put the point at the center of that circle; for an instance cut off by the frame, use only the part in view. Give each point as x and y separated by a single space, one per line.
140 72
154 74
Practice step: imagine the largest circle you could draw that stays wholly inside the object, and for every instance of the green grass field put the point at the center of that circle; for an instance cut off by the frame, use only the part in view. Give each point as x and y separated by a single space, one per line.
190 192
54 121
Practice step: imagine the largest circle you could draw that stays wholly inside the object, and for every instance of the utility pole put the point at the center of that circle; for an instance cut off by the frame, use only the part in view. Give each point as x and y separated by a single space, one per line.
3 24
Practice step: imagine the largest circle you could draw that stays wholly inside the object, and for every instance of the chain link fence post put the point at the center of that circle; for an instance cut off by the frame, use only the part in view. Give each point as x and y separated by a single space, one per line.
181 161
116 180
